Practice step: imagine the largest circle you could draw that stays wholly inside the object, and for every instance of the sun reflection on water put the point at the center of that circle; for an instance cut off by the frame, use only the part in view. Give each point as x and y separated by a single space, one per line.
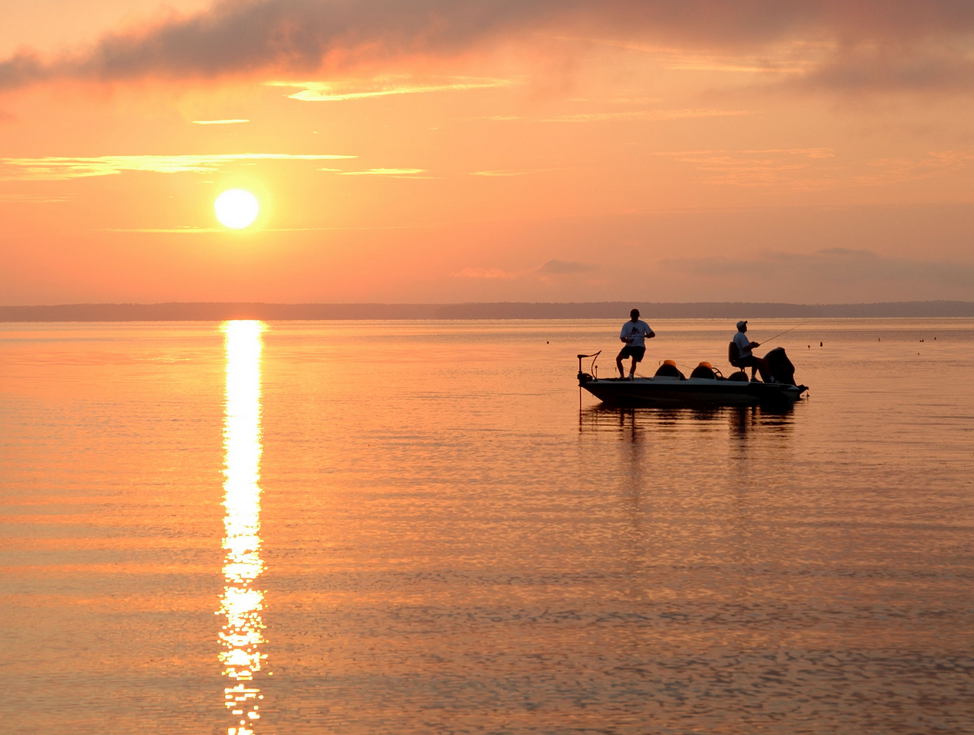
242 603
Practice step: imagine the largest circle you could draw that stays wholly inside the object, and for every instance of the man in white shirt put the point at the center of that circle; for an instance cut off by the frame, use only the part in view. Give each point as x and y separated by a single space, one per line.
744 346
634 333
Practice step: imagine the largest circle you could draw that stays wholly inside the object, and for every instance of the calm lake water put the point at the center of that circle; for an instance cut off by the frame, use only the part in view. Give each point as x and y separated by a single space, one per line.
423 527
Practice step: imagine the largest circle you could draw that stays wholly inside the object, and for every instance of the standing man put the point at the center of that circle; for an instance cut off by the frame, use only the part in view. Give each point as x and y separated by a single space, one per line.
744 347
634 333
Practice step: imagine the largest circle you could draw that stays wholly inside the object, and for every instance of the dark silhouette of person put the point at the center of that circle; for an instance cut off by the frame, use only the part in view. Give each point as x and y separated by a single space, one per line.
745 358
634 333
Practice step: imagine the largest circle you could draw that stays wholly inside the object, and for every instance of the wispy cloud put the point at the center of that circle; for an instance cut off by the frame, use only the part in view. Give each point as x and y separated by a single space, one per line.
689 58
644 115
885 171
499 173
23 198
732 67
223 230
230 121
75 167
566 268
341 91
167 230
489 274
552 269
398 173
507 173
891 67
871 44
813 169
834 266
755 167
744 152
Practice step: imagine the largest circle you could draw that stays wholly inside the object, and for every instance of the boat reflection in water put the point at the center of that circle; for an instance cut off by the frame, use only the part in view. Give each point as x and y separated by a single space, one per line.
242 603
737 420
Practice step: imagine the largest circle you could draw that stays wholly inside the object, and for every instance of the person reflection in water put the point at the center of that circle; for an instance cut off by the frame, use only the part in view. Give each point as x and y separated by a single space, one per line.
633 334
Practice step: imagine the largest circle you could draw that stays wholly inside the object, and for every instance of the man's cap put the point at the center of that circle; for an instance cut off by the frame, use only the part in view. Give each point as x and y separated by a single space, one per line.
742 323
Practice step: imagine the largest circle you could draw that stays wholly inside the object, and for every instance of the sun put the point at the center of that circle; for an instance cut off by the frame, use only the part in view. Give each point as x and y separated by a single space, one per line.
236 208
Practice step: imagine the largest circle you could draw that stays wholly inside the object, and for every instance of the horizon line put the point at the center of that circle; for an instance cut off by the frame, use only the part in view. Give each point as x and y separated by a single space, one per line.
231 310
454 303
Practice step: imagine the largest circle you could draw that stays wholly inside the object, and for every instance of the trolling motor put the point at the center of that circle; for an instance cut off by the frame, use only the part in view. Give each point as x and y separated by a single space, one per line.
586 377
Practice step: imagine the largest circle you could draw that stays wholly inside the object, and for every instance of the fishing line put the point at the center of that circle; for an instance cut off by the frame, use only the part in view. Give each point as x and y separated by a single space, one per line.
792 329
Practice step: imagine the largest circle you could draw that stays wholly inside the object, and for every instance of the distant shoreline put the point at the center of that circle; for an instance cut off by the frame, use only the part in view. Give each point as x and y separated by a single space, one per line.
497 310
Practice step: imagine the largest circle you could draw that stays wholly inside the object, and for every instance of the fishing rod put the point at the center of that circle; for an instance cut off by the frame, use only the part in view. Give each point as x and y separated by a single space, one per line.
792 329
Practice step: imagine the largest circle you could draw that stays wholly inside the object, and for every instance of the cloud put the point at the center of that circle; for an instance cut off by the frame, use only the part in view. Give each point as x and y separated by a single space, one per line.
20 198
867 43
383 86
500 173
888 68
566 267
831 267
75 167
189 230
397 173
168 230
231 121
551 269
244 37
507 173
645 115
489 274
21 70
884 171
809 168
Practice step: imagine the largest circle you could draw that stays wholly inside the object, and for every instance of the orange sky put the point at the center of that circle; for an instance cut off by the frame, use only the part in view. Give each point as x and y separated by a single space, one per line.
436 151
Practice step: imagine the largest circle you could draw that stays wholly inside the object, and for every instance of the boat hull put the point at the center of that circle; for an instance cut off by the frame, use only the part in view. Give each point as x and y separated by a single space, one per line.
693 391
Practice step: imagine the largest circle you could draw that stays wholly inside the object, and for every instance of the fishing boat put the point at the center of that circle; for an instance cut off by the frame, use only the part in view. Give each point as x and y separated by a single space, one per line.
705 386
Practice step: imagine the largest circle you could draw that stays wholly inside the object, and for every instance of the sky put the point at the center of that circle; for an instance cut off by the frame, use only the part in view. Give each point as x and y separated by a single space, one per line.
434 151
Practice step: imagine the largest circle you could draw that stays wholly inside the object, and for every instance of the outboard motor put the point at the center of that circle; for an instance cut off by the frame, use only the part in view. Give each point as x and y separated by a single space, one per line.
780 366
584 377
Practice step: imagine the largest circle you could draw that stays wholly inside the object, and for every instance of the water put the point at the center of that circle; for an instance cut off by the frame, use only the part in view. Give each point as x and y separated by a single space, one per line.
422 527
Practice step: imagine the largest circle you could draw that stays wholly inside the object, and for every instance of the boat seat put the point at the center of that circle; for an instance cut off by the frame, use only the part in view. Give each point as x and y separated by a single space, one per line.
669 370
704 370
733 355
